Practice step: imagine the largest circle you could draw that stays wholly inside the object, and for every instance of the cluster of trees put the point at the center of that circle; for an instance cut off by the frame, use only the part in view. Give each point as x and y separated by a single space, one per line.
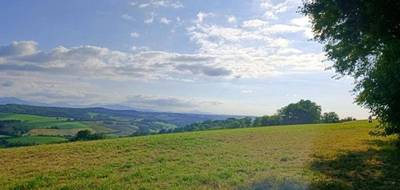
229 123
87 135
302 112
13 127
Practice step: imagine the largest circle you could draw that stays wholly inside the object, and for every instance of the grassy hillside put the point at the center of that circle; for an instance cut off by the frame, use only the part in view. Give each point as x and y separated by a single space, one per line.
328 156
36 140
25 129
121 122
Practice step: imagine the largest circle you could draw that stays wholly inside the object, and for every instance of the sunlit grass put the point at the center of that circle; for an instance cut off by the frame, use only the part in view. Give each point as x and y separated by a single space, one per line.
219 159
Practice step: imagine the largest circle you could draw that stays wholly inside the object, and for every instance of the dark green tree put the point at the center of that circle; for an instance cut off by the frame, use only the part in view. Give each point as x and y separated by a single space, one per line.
270 120
304 111
362 38
330 117
85 135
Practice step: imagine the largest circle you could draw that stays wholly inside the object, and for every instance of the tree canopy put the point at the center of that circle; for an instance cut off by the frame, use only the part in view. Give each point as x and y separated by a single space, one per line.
304 111
330 117
362 38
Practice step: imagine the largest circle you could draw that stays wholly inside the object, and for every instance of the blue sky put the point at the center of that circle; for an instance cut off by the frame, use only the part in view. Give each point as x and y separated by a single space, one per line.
227 57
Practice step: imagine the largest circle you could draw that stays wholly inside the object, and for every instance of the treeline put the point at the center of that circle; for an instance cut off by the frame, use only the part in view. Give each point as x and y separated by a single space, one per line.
302 112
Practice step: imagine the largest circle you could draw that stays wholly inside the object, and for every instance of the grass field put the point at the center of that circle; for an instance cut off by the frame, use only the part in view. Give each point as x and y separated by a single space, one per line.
28 118
326 156
40 125
55 132
35 140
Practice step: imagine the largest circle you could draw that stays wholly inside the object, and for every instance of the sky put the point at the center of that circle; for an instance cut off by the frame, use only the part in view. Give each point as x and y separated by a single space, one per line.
241 57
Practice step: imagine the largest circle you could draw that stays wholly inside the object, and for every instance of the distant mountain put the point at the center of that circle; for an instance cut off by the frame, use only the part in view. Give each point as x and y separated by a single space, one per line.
123 120
120 107
99 113
12 100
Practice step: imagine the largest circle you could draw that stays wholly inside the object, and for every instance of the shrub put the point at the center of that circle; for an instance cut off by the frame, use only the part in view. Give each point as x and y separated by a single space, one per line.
86 135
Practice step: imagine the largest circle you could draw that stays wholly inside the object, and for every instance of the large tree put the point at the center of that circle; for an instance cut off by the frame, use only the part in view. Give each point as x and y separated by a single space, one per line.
362 38
304 111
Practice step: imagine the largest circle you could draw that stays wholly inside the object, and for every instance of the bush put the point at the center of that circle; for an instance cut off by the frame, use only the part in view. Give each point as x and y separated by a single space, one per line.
348 119
86 135
330 117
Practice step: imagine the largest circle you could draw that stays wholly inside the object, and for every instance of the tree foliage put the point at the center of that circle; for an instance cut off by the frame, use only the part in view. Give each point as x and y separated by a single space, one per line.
229 123
330 117
304 111
86 135
362 38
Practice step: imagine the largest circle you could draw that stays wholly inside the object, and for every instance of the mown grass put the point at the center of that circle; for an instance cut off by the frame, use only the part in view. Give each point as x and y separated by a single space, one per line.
323 156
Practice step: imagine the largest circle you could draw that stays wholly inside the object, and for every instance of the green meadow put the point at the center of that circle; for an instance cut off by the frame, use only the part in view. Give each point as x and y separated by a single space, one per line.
318 156
33 140
34 125
35 121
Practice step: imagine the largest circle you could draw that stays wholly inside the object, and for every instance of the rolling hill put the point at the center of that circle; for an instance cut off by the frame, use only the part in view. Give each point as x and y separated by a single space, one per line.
40 120
319 156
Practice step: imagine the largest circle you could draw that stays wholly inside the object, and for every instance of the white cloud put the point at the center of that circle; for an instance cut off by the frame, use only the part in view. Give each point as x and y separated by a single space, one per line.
138 49
19 48
150 19
204 69
231 19
164 20
134 35
98 62
159 3
144 5
254 23
272 8
304 23
127 17
202 15
76 92
43 88
255 48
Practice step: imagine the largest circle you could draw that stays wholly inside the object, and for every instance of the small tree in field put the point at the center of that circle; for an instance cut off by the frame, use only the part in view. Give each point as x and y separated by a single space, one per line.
330 117
85 135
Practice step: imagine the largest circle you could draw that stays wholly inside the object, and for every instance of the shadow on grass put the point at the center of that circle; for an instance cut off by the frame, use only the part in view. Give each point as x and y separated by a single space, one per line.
376 168
279 185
